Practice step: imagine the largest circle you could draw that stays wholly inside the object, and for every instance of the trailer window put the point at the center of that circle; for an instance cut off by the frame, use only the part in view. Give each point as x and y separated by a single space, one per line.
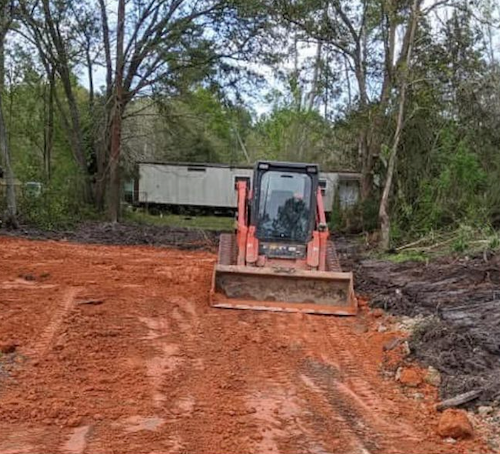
284 206
322 185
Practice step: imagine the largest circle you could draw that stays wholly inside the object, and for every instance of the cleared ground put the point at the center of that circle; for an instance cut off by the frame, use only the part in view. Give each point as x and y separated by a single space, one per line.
117 351
207 223
460 297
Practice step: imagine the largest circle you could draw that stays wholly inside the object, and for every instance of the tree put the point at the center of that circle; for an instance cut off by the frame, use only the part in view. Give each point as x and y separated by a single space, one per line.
453 125
50 27
404 76
116 118
359 38
155 45
350 36
10 215
163 42
198 126
158 44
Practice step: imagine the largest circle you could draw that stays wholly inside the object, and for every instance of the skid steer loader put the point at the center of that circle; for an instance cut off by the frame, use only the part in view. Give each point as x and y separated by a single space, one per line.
280 257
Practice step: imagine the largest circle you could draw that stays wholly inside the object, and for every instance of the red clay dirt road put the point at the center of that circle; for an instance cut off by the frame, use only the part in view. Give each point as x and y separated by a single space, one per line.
118 352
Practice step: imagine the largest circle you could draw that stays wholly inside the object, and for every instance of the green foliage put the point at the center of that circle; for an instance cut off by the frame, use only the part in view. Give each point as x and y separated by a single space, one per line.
54 209
459 245
448 164
407 256
467 238
200 126
494 242
292 134
459 186
475 238
369 213
452 188
194 127
361 217
336 216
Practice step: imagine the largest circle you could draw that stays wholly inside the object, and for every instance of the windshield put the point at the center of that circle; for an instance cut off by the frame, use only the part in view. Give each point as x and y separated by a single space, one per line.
284 206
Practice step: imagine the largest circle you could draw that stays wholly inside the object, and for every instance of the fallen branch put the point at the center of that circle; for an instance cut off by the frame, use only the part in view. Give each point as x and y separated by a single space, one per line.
441 243
414 243
459 400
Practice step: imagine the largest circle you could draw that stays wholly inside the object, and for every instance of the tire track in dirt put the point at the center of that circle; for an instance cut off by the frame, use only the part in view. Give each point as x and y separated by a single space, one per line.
345 378
76 442
342 375
357 388
270 395
28 440
327 419
163 344
20 284
167 359
315 426
205 399
44 342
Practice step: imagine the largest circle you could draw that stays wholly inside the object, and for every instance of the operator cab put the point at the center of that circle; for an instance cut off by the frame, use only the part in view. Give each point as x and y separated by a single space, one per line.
284 207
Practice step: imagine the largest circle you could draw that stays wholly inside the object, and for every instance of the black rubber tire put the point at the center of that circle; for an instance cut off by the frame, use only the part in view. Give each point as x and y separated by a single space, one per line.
332 258
227 249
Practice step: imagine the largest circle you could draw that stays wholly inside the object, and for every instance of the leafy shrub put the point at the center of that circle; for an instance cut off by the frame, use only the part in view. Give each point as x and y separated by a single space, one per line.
54 208
451 191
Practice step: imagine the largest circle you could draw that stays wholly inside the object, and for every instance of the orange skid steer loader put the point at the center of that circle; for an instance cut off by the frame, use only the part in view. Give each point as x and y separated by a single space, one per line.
280 258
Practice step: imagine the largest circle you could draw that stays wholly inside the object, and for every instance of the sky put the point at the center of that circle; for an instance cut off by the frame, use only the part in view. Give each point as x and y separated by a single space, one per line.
258 100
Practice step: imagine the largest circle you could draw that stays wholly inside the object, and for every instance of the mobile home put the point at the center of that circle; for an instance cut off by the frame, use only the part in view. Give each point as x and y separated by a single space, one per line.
213 185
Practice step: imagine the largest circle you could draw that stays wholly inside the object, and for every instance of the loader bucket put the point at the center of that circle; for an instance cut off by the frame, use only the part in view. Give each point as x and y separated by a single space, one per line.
286 290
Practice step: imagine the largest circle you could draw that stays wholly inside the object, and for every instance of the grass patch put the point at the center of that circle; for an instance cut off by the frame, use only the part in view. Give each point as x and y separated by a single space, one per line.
464 240
219 223
406 256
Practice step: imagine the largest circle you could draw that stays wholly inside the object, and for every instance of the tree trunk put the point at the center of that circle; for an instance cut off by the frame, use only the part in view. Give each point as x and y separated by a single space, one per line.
103 144
10 214
102 157
49 128
372 138
116 123
384 216
311 98
76 139
366 183
114 195
61 64
365 151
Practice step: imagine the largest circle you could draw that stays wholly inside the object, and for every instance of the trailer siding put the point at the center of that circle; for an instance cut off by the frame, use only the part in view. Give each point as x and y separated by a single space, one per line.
214 186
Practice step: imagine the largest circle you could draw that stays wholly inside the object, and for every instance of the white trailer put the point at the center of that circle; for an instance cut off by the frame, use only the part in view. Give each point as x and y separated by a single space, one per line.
213 185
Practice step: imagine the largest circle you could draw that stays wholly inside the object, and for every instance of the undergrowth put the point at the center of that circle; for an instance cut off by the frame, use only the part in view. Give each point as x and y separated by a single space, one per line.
54 209
467 239
218 223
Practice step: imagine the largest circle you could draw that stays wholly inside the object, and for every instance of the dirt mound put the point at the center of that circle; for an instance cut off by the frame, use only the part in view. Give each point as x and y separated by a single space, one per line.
464 359
125 234
461 337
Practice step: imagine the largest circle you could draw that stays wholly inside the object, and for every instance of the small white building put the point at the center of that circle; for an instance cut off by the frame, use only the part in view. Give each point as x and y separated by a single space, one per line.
213 185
